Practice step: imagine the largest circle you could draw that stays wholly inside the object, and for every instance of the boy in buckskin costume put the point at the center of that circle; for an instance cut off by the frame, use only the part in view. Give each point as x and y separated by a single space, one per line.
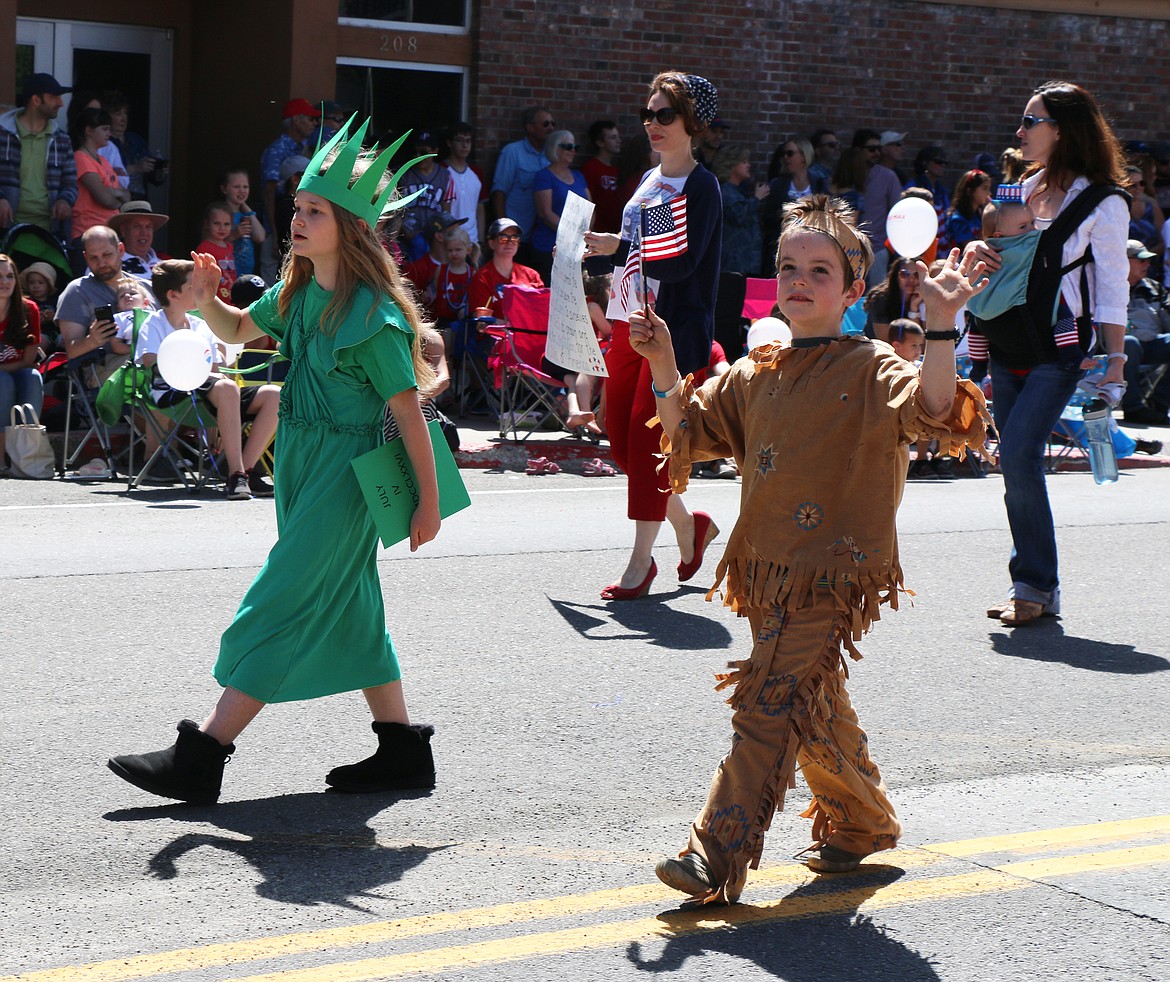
820 428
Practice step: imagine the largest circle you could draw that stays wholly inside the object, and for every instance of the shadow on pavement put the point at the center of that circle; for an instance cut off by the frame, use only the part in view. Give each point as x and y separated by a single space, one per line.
1045 640
309 848
652 621
814 935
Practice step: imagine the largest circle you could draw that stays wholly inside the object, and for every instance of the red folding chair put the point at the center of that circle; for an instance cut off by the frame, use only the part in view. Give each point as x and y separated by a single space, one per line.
759 298
528 397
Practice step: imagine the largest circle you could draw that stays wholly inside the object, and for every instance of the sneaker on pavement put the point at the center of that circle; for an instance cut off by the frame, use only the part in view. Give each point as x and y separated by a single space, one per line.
259 487
162 471
237 487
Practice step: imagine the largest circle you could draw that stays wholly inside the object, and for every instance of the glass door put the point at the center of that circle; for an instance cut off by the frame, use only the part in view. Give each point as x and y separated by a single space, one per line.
99 57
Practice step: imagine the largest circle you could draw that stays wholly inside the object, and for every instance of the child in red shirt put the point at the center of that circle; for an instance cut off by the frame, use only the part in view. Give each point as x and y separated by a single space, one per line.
217 227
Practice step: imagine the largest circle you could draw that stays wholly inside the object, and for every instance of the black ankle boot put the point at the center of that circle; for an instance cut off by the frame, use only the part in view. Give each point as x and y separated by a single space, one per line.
191 770
403 761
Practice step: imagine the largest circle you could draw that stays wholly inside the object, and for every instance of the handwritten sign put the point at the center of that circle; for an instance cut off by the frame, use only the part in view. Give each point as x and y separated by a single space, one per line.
571 341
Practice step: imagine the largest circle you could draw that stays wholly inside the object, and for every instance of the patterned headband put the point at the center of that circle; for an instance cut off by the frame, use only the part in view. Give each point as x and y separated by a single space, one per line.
705 97
838 231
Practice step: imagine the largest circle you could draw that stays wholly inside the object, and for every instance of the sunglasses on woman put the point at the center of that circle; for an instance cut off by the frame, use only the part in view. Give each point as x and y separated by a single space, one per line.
664 116
569 146
1028 121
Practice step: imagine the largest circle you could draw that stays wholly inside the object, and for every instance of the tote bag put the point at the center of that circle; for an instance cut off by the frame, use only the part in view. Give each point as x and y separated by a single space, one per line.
28 446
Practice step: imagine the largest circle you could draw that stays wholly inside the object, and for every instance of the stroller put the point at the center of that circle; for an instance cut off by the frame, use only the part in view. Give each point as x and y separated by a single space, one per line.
28 244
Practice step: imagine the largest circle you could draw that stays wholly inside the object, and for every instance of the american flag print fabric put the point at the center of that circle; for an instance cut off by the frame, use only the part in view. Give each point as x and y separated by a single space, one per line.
665 233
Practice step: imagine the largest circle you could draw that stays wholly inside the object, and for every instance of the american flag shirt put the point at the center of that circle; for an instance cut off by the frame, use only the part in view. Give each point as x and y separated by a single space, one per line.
655 190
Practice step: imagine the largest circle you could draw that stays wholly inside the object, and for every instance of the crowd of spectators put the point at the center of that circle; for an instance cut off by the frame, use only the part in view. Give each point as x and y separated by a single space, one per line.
468 234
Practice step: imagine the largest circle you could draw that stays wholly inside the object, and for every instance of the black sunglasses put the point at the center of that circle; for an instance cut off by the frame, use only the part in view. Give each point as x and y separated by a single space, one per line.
791 153
832 144
873 148
548 124
508 237
1027 121
570 146
664 116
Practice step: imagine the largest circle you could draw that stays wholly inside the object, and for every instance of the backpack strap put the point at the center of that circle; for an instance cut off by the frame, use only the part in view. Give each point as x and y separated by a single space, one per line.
1063 227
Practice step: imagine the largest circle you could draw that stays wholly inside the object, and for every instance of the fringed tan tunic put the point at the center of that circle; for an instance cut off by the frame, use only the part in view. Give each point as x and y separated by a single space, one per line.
821 436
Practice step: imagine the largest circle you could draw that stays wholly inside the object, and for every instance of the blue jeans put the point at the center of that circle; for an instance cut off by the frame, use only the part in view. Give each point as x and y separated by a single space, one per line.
17 388
1026 409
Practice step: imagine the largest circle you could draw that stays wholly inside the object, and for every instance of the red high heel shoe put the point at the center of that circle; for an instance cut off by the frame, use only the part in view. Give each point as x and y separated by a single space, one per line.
705 532
615 591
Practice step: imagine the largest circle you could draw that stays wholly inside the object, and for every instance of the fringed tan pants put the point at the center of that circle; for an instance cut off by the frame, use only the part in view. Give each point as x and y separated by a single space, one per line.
791 706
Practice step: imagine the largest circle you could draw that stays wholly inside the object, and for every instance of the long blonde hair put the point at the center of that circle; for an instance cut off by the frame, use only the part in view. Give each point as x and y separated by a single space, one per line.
361 260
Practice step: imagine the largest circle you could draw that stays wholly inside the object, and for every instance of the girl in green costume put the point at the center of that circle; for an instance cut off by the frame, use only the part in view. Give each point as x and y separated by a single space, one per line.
313 623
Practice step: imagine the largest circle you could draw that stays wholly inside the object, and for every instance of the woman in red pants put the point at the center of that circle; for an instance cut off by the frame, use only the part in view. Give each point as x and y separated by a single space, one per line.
671 232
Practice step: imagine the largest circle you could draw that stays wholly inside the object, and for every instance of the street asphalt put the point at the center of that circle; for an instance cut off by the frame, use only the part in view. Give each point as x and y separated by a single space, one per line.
574 742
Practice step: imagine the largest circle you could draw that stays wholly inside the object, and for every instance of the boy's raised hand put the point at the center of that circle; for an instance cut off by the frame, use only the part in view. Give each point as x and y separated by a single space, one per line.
958 281
205 277
649 335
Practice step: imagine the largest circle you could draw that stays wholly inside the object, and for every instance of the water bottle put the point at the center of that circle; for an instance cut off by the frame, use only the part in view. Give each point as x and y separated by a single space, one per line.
1096 414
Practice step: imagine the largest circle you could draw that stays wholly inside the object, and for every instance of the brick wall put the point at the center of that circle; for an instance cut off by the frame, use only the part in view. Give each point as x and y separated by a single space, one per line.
953 75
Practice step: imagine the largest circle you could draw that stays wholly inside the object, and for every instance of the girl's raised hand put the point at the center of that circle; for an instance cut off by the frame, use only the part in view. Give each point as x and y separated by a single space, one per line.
205 279
957 282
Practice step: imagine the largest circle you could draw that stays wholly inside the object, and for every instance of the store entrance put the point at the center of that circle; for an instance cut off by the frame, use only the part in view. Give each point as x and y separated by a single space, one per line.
94 58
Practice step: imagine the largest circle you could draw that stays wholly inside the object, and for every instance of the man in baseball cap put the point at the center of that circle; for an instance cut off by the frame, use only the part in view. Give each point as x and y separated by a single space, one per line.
1147 341
38 176
891 141
136 223
299 119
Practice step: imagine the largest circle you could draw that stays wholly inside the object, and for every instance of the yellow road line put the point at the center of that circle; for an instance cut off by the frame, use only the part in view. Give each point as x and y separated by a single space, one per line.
1052 838
503 915
1035 869
677 924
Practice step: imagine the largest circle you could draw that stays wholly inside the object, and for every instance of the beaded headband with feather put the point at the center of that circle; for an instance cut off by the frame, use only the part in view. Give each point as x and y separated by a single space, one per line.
363 198
838 231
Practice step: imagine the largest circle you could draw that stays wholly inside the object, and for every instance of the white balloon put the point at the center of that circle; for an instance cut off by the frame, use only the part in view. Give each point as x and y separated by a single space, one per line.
911 227
184 360
766 330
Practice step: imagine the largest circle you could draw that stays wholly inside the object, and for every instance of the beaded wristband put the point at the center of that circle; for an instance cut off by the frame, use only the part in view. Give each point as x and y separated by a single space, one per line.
673 390
1118 355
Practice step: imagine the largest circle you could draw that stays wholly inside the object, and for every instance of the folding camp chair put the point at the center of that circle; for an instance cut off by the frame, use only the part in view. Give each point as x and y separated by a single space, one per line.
473 340
258 366
182 439
528 397
759 298
81 391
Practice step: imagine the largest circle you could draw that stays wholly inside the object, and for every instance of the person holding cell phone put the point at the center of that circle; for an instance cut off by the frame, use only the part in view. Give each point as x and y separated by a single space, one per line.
85 312
667 258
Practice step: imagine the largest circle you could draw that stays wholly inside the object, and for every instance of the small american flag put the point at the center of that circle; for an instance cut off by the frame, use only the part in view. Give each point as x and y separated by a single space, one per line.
665 234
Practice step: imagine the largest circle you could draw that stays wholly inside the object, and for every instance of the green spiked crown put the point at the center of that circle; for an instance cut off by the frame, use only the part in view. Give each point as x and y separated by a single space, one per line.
363 198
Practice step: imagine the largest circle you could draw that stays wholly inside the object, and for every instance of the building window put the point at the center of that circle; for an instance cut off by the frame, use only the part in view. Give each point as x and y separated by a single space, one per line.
437 13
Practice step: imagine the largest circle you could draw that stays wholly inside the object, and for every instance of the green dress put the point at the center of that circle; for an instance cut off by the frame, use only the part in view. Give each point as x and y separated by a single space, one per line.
312 623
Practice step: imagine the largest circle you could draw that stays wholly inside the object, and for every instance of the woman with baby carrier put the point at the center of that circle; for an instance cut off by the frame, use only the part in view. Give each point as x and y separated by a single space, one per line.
1036 349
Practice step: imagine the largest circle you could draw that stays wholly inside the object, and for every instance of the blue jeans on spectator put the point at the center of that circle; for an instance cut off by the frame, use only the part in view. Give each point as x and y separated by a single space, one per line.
1154 351
1026 408
17 388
